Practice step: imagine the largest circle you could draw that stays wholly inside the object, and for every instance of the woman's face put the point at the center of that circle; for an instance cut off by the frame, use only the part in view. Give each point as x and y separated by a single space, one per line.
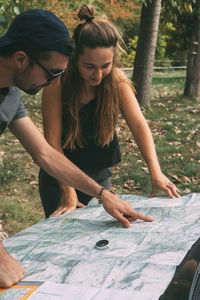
95 64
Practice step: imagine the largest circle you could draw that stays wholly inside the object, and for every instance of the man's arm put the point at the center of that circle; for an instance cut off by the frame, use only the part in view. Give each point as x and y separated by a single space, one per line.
52 161
61 168
58 166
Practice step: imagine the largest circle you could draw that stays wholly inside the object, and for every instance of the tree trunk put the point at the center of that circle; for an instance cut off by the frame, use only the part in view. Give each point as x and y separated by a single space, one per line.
145 53
192 84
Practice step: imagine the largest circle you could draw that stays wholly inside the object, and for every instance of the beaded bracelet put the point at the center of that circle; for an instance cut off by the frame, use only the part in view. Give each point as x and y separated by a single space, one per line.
100 194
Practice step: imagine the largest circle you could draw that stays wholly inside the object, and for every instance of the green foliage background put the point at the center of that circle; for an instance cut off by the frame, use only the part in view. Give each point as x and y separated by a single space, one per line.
174 31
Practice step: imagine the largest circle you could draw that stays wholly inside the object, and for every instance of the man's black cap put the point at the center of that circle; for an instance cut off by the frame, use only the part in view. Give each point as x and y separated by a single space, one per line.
40 28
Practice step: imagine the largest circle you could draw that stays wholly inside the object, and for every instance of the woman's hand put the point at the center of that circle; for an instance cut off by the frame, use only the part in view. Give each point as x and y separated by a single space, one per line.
160 181
69 202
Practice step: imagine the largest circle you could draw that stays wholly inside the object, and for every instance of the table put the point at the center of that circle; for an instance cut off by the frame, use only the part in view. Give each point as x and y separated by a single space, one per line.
139 263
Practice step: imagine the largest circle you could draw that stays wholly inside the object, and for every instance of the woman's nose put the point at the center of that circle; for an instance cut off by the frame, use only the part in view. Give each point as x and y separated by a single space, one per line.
98 74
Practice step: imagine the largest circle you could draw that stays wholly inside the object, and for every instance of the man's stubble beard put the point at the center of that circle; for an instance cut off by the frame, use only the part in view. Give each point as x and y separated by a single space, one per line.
18 81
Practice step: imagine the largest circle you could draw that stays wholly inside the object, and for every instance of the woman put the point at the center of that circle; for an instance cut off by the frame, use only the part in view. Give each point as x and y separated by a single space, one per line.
80 116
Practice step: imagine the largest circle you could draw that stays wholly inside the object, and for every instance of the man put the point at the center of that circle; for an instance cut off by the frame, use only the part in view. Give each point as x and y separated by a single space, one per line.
34 53
185 283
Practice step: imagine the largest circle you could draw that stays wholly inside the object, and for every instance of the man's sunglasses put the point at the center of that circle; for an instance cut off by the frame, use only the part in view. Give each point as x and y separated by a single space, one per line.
51 75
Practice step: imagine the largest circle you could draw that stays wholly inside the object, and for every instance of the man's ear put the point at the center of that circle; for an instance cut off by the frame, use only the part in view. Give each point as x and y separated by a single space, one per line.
21 60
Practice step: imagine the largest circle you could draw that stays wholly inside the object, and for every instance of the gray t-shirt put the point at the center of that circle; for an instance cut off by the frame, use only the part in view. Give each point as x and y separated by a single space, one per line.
11 106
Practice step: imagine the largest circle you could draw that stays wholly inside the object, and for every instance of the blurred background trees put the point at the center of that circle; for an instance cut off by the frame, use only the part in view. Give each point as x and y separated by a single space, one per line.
192 84
145 52
178 34
9 9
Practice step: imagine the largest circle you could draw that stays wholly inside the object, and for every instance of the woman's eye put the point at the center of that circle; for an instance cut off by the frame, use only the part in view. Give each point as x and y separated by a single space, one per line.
105 66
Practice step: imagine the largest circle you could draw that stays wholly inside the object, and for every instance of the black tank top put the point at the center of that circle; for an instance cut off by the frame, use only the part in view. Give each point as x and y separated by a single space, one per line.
92 156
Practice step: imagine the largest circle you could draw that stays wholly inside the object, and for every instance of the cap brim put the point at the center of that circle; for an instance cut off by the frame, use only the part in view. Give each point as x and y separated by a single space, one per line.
65 47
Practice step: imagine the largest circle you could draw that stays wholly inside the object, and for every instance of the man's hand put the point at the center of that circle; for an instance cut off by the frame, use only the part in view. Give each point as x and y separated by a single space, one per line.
121 210
10 270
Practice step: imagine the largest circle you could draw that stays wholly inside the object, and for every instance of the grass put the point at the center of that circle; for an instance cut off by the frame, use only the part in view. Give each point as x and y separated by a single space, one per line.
175 125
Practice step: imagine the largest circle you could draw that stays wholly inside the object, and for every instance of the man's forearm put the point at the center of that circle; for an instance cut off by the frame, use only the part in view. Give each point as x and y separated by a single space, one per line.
61 168
52 161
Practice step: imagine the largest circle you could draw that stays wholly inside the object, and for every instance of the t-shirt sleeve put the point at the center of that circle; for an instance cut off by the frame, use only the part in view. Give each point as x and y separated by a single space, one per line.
21 112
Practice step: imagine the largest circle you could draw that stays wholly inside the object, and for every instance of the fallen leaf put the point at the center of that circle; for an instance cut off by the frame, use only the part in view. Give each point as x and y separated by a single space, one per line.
22 200
176 177
33 182
185 179
176 155
146 170
116 168
129 184
177 131
159 104
187 191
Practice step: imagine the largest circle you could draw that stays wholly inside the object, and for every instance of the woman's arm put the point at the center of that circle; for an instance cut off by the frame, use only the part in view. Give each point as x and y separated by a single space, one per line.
52 116
131 112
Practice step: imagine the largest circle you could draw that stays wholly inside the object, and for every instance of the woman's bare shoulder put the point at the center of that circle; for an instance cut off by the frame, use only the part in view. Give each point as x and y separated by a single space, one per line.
120 74
123 81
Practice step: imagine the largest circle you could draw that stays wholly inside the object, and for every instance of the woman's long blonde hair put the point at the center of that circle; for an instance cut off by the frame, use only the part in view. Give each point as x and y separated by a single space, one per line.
92 33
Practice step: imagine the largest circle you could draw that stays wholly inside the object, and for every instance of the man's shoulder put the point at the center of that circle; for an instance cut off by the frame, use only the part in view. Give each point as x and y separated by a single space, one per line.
5 91
8 94
14 90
